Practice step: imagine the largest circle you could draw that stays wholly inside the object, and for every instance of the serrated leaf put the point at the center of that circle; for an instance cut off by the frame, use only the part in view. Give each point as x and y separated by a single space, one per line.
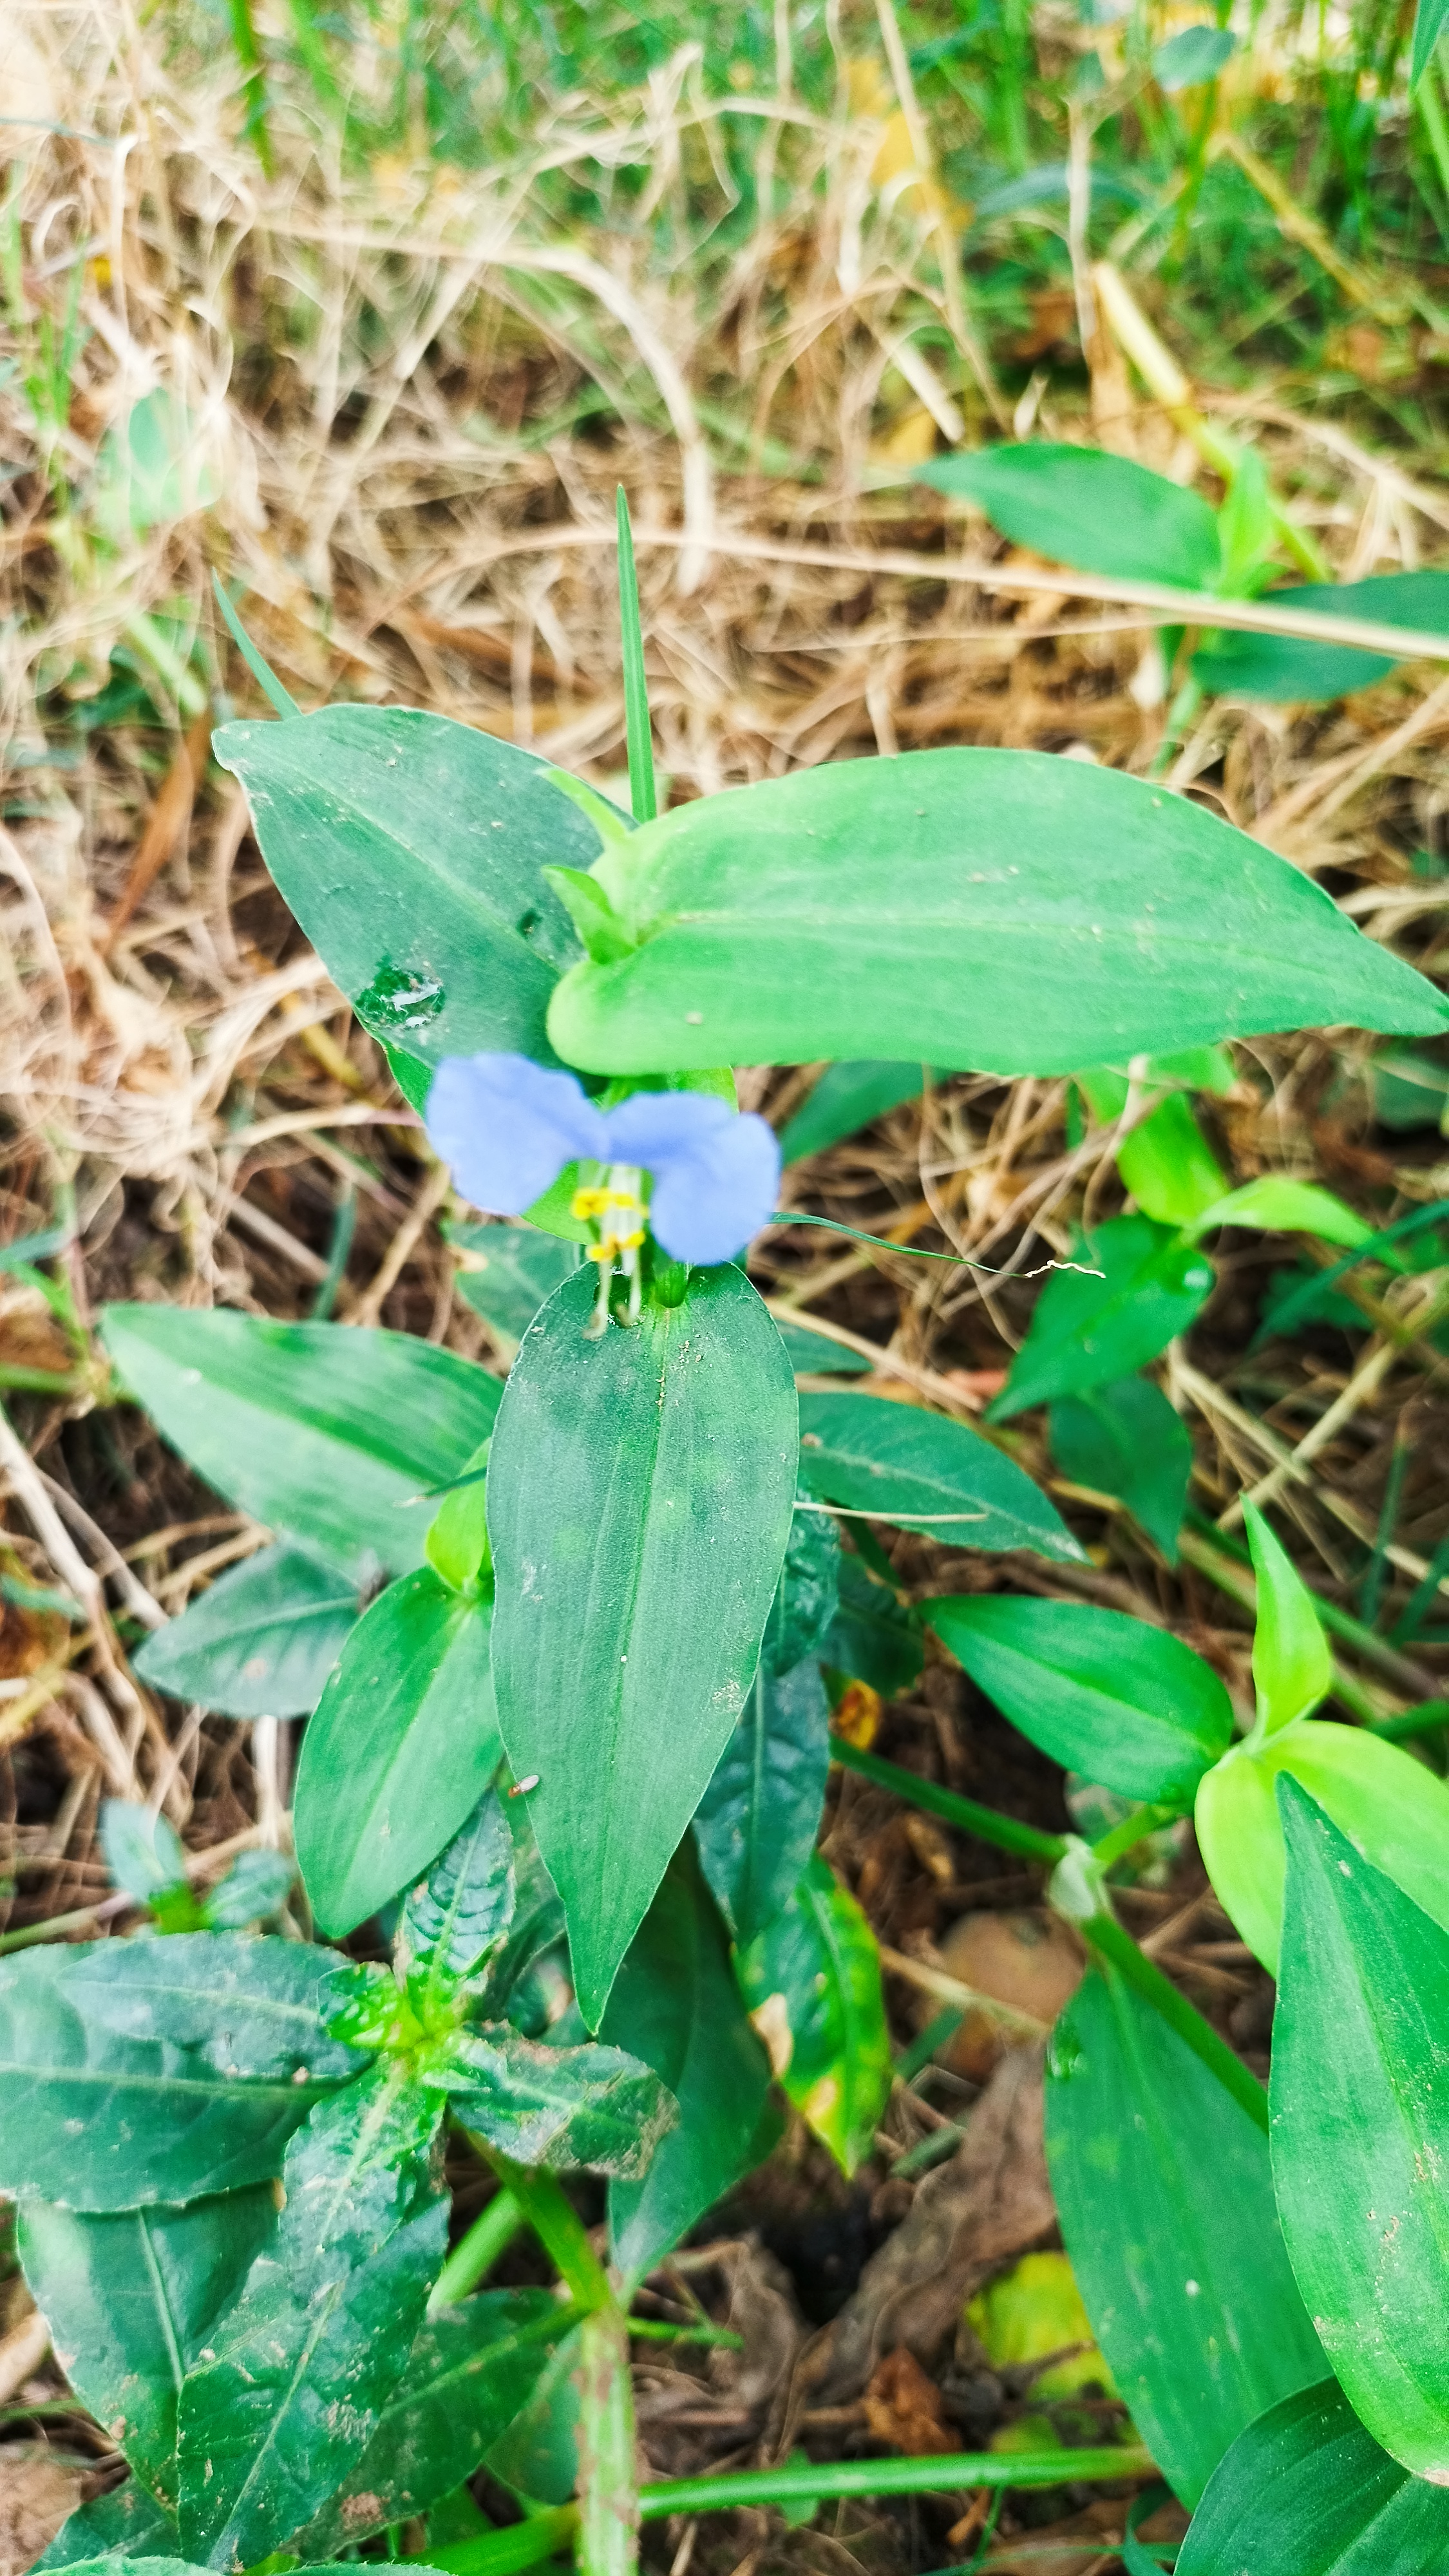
757 1821
1292 1666
141 1848
808 1593
325 1432
812 1983
294 2377
873 1637
901 1463
1085 1332
1165 2197
464 1906
1126 1439
1306 2491
260 1642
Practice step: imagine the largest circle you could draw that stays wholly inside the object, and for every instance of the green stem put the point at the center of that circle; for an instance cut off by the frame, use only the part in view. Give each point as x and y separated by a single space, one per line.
184 685
1424 1720
1132 1830
1105 1935
984 1822
608 2542
643 795
556 2223
475 2254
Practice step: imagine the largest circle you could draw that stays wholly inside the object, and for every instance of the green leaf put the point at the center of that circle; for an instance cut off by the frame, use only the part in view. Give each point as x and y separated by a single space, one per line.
140 2071
260 1642
1165 2198
1246 526
1360 2126
640 1492
124 2524
1394 1811
812 1983
519 1269
1169 1166
1192 56
1429 20
302 2365
808 1593
257 1884
457 1539
323 1431
1126 1439
401 1748
411 850
846 1098
757 1821
142 1849
1306 2491
1282 1206
123 2564
904 1464
1290 669
588 2106
813 1354
129 2301
873 1637
463 1908
1292 1666
472 2369
1086 1332
675 2004
152 469
1084 507
1125 1704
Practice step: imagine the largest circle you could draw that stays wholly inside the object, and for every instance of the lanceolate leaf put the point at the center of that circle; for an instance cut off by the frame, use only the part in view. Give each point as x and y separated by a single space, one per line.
322 1431
133 2072
1291 667
1360 2098
1307 2492
1086 1331
676 2005
808 1592
812 1983
873 1638
261 1642
401 1748
846 1098
1125 1704
299 2370
590 2106
640 1491
1166 2204
129 2301
1125 1439
1292 1667
920 907
757 1821
900 1462
1084 507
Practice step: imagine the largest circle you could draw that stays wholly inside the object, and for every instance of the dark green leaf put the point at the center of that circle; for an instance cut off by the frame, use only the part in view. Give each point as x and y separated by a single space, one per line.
257 1884
519 1269
1291 668
140 2071
1166 2205
1125 1439
129 2301
815 1355
126 2523
472 2369
261 1641
301 2367
846 1098
401 1748
904 1464
1123 1703
123 2564
558 2106
1084 507
812 1983
873 1637
1305 2491
640 1493
142 1850
675 2004
516 1984
1086 1332
808 1593
757 1821
1360 2102
322 1431
464 1906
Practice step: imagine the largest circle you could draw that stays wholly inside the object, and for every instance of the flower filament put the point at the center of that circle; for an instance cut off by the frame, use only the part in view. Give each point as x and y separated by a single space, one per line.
614 1207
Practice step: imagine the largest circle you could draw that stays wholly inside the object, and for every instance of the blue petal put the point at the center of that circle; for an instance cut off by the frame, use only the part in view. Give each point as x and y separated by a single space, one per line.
713 1194
651 1126
506 1127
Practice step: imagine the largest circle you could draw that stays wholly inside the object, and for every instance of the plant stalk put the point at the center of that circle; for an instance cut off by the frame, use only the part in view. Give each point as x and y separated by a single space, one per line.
475 2254
1003 1831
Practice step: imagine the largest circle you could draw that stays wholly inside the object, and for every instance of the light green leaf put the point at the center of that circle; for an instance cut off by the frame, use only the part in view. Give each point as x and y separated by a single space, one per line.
757 1821
812 1983
1084 507
1125 1704
1292 1666
1165 2197
1282 1206
846 1098
1306 2491
257 1884
676 2006
1429 19
904 1464
1086 1332
142 1849
920 907
153 469
1194 55
457 1539
1126 1439
588 2106
1169 1167
1360 2111
640 1492
260 1642
511 1270
323 1431
401 1748
873 1638
1246 526
1290 669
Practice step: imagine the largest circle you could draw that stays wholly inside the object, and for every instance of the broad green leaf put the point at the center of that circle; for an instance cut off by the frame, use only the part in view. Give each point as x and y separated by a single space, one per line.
1429 20
1086 1331
812 1983
846 1098
1125 1704
813 1354
1292 1666
257 1884
640 1495
1282 1206
903 1464
140 2071
472 2369
142 1849
757 1821
1126 1439
1165 2198
299 2370
921 905
1290 668
464 1906
873 1637
1306 2491
401 1748
512 1269
676 2005
123 2524
260 1642
808 1592
323 1431
411 850
129 2301
1360 2100
1084 507
588 2106
1393 1810
1169 1167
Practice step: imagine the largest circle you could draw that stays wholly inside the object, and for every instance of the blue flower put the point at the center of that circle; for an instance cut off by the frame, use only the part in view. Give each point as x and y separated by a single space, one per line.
507 1128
